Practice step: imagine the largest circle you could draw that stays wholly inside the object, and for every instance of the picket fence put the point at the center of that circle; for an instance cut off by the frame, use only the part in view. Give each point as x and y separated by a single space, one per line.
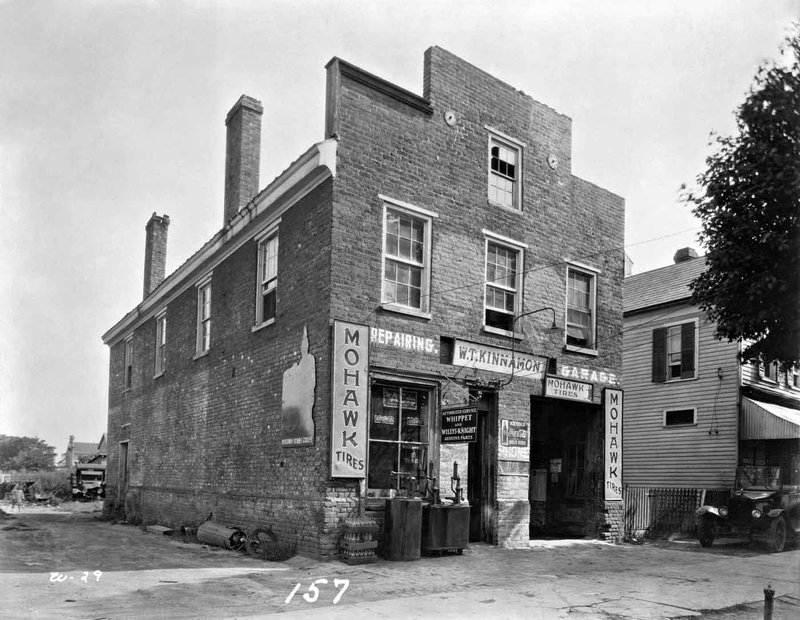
659 511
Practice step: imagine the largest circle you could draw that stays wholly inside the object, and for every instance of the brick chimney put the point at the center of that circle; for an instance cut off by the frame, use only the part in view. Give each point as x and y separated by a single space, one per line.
70 455
242 154
684 254
155 252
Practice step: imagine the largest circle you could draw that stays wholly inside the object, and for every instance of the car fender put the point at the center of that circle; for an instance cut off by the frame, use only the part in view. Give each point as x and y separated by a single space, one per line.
775 512
708 510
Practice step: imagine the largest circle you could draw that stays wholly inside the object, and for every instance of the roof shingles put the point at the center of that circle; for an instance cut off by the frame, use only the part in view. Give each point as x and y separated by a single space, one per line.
662 286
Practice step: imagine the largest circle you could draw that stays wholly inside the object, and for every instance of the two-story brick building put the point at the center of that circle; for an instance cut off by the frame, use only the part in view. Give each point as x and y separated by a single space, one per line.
431 252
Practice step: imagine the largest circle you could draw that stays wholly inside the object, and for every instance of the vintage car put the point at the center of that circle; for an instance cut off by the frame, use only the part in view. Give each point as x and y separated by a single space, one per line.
762 508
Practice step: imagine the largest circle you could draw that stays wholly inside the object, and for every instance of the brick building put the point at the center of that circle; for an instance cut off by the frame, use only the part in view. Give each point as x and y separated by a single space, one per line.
432 252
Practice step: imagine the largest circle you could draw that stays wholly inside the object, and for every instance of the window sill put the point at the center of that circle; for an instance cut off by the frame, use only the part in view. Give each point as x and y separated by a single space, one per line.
158 374
679 425
261 326
502 332
406 310
502 206
680 380
201 354
582 350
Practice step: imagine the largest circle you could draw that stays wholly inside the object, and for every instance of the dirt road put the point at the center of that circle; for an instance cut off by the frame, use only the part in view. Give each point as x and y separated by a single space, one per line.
57 564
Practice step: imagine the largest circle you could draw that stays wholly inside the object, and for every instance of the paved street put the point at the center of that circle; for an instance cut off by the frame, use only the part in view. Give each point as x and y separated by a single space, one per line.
57 564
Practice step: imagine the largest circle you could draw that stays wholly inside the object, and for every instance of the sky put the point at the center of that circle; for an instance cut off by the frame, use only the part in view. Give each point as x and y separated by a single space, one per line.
112 110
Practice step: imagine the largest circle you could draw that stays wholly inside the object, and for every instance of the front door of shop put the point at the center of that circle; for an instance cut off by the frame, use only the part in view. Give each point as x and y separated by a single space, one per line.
481 468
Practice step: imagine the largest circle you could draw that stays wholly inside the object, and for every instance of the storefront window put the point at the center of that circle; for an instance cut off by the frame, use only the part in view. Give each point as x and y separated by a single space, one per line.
398 436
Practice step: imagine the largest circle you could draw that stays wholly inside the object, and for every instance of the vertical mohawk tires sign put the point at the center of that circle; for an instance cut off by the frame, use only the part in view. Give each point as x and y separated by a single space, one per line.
350 390
612 405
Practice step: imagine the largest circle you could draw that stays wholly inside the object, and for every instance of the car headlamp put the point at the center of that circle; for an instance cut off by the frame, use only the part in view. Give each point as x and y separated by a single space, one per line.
756 513
723 512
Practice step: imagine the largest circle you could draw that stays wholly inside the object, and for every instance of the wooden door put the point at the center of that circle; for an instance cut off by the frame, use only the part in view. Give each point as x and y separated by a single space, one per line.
481 469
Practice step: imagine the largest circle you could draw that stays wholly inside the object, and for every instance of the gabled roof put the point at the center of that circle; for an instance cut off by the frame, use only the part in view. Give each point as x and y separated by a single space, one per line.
662 286
306 172
83 448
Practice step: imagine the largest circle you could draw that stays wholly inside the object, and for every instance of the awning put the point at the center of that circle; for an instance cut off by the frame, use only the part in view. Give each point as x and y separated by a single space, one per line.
767 421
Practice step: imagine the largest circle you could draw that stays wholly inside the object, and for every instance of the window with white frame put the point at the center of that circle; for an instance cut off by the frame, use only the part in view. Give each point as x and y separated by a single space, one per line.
680 417
161 343
128 374
406 257
505 169
769 371
503 288
267 296
581 306
203 316
674 352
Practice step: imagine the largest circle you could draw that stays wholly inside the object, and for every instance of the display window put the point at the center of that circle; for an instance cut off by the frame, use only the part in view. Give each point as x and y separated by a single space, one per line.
398 437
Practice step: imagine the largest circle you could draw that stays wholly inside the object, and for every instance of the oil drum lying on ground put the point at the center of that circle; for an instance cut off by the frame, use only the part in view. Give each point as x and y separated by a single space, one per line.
215 533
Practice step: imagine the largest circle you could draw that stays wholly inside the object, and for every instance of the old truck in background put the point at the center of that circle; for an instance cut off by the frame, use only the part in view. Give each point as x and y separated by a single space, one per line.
88 481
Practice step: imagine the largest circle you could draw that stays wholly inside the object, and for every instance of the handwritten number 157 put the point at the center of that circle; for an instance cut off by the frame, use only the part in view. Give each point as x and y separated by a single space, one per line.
313 591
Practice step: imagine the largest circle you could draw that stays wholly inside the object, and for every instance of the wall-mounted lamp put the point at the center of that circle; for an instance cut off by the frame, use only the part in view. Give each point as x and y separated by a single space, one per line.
553 327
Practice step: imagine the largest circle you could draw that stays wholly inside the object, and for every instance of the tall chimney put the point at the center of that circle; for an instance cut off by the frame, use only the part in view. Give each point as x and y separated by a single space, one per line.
155 252
242 154
684 254
70 455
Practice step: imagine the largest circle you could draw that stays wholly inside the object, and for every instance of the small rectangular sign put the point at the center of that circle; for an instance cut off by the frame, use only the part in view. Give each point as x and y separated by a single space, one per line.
612 405
459 424
513 433
568 389
350 391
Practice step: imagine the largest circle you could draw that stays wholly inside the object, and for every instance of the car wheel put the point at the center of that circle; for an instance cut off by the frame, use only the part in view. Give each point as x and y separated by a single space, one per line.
777 535
705 533
258 540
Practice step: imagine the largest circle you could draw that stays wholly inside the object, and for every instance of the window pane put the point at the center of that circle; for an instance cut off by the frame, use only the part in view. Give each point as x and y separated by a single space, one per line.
385 420
382 461
269 304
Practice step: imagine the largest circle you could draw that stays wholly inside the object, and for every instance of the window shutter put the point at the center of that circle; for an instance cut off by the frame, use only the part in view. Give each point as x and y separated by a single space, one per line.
660 355
687 350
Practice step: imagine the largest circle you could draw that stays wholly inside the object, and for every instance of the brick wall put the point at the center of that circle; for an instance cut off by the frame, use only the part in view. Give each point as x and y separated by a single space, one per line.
205 436
399 151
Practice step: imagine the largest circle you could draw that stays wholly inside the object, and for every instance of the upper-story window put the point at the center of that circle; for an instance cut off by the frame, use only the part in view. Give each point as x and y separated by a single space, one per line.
505 170
127 381
581 309
406 257
503 288
267 295
769 371
675 352
161 343
793 377
204 316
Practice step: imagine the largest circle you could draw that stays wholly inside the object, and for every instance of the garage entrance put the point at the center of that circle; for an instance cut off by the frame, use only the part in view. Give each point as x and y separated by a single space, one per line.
566 464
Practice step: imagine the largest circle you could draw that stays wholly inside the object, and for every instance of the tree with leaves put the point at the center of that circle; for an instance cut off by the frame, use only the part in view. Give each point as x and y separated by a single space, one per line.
25 453
748 203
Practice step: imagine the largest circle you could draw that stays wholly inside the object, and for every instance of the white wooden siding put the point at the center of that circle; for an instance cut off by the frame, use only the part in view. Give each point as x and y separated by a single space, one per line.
702 455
